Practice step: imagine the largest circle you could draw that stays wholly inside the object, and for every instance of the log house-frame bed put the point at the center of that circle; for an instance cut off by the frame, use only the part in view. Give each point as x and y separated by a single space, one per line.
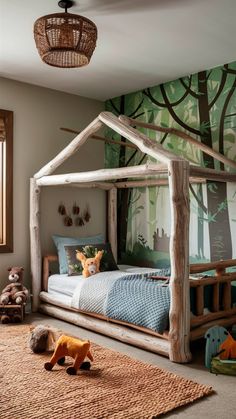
178 173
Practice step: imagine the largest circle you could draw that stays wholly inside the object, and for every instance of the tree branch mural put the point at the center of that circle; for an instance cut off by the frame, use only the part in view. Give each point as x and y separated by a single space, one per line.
220 228
202 104
124 195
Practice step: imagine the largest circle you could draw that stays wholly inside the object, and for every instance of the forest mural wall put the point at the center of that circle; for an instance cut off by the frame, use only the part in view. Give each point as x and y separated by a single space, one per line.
203 105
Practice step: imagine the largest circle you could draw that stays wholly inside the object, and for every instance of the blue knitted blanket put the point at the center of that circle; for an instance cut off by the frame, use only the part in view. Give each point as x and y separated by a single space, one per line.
132 298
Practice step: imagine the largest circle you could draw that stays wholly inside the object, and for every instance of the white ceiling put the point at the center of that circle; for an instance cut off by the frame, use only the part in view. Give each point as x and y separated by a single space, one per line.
141 43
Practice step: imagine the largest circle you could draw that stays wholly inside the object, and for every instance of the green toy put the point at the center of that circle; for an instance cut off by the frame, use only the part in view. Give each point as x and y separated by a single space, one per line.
217 339
223 366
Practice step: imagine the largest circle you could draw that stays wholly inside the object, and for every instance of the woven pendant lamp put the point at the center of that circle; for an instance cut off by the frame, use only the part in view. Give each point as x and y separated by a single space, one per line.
65 40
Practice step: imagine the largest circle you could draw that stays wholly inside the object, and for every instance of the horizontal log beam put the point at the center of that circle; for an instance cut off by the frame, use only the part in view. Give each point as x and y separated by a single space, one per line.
211 174
199 332
94 185
151 182
208 266
213 280
206 318
103 174
120 332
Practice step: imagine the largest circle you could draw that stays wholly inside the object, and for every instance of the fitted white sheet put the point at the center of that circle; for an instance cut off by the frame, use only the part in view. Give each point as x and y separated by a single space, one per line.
64 284
61 287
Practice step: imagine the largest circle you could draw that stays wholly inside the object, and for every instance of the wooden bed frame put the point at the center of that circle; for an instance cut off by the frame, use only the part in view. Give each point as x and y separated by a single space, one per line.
222 312
178 173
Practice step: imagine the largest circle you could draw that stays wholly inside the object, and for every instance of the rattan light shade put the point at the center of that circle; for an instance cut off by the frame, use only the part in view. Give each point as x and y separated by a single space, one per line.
65 40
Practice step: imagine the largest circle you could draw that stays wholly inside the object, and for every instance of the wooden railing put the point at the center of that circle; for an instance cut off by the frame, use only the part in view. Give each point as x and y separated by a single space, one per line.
221 305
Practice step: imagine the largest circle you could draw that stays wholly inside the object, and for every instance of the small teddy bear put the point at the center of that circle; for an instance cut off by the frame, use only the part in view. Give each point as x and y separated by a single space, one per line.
14 293
90 265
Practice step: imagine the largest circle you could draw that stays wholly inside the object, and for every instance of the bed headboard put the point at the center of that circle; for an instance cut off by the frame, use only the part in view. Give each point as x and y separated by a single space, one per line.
46 271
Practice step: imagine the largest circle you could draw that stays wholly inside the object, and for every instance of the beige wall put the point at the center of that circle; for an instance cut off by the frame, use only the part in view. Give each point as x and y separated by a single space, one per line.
38 115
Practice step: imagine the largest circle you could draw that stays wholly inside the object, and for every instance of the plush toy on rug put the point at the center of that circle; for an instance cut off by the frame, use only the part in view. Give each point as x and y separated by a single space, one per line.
75 348
15 292
42 339
90 265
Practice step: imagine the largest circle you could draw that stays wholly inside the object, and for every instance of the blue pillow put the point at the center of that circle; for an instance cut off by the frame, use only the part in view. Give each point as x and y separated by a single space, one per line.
61 241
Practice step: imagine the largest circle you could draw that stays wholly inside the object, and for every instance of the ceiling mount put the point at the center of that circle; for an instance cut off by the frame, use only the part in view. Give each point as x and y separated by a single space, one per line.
65 4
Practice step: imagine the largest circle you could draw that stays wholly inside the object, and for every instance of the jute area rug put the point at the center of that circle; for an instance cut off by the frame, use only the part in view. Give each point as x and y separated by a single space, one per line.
115 387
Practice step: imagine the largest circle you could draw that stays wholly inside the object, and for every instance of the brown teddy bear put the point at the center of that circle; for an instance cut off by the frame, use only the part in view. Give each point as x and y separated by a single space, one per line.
14 293
90 265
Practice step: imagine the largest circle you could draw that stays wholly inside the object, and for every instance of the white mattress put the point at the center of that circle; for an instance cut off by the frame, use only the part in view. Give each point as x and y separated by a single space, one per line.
64 284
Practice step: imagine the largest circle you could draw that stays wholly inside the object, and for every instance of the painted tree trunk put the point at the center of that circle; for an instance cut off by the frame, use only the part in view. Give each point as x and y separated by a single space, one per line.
200 224
219 226
123 198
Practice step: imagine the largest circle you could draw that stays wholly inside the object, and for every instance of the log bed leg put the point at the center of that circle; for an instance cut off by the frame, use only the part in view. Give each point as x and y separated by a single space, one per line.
35 246
179 317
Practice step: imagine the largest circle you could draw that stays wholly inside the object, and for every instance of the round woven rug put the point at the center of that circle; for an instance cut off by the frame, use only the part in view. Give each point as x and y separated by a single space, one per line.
117 386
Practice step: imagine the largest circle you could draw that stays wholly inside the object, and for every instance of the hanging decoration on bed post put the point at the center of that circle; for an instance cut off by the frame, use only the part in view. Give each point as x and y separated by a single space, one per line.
79 220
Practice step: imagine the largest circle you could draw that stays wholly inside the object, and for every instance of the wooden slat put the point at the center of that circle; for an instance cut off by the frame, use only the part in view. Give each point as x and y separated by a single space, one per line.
200 300
226 298
216 297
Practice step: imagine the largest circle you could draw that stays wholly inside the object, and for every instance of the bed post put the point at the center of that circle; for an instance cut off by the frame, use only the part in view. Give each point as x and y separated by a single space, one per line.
112 220
35 245
179 333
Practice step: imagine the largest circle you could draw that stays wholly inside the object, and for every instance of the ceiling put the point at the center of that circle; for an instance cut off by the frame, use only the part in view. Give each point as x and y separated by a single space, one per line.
141 43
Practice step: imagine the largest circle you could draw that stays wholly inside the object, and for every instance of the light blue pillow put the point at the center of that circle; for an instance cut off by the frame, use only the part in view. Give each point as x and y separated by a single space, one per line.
61 241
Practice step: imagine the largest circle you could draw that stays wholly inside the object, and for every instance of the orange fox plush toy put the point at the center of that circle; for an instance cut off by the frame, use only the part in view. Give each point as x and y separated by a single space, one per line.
76 348
90 265
228 348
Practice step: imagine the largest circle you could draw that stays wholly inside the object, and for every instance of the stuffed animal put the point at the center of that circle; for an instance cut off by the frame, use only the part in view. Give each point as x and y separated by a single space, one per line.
14 293
91 265
227 349
42 339
76 348
214 337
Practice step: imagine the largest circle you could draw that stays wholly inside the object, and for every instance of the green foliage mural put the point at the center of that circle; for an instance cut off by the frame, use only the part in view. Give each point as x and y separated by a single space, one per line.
204 106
